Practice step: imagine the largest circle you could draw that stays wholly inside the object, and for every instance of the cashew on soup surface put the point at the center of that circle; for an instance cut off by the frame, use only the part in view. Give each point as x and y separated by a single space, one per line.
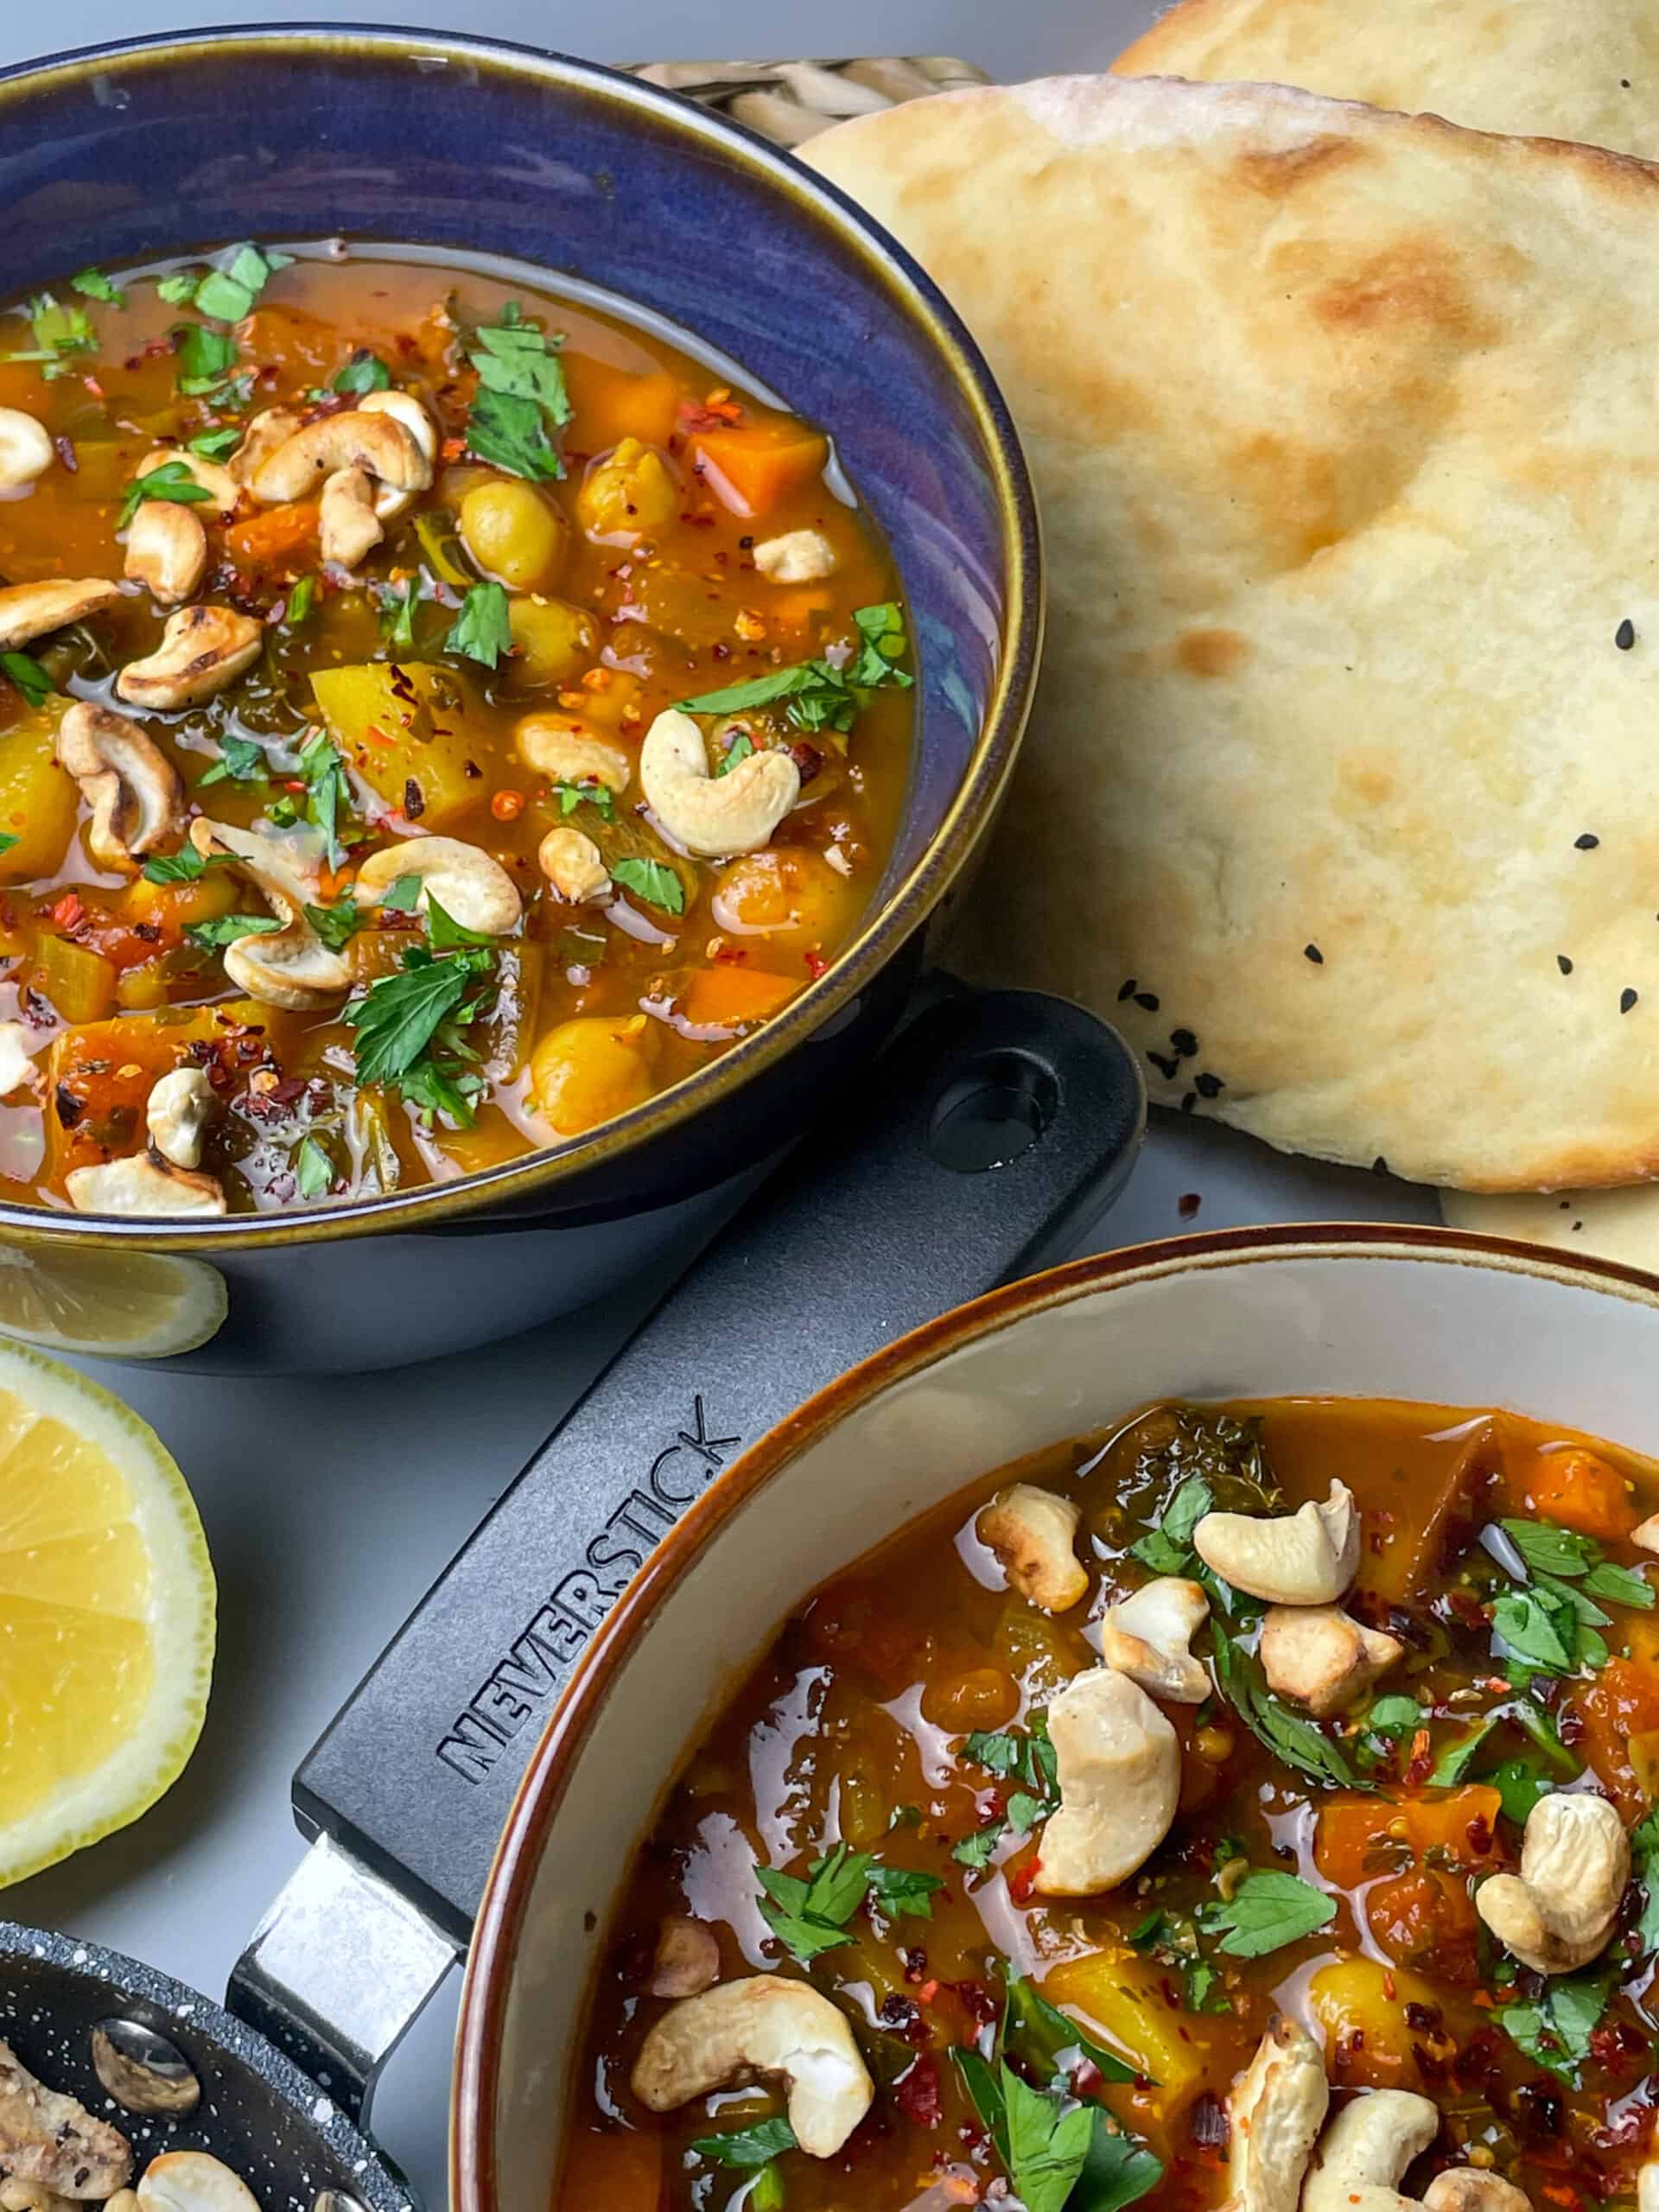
1040 1862
439 714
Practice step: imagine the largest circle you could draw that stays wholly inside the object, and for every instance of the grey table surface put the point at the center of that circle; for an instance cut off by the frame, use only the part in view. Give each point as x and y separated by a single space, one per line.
331 1504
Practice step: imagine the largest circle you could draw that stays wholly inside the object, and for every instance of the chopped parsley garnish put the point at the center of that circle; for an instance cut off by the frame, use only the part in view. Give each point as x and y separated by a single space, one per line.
1056 2152
228 294
337 924
738 751
520 388
7 841
205 358
215 445
397 605
904 1892
1040 2036
482 630
364 371
93 284
747 2146
327 793
1028 1758
1267 1911
409 1024
403 894
301 600
1300 1742
59 333
26 672
313 1169
227 929
654 880
1168 1549
1555 2029
808 1914
1455 1760
1171 1938
1395 1716
816 695
1644 1851
1550 1624
186 865
570 797
172 480
240 760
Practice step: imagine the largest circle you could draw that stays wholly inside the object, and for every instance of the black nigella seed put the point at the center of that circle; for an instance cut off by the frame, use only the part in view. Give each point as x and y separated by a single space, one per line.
1189 1099
1626 999
1148 999
1379 1166
1625 636
1312 952
1209 1086
1185 1042
1167 1068
1126 991
1564 964
1587 843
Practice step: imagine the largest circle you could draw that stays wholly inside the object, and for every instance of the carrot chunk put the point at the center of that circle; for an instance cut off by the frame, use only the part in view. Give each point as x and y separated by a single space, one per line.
1581 1491
279 538
752 467
721 998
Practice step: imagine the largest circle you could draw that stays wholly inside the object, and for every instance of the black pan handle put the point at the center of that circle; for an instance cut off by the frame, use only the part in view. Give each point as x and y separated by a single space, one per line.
989 1138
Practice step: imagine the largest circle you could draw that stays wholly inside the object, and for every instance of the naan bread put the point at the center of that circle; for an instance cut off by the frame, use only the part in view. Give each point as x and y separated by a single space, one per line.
1585 69
1584 1224
1339 795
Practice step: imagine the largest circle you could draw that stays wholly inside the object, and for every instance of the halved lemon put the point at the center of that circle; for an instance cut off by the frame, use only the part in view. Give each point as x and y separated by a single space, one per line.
124 1305
106 1615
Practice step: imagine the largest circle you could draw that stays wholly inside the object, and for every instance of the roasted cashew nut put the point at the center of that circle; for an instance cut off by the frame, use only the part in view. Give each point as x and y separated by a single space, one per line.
472 888
1646 1533
800 556
347 526
1323 1657
269 431
1305 1558
574 866
143 1184
26 449
1276 2110
221 487
202 649
402 407
686 1960
1558 1912
1119 1767
559 747
713 815
176 1113
193 2181
52 2141
30 611
1032 1532
1471 2189
1146 1637
16 1058
136 794
372 441
167 550
782 2031
292 966
1358 2161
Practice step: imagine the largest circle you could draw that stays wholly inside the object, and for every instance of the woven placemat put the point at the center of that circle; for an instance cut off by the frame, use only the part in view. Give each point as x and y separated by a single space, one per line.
789 102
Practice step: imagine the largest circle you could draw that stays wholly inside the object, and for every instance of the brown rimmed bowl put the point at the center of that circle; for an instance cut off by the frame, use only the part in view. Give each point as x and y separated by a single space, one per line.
1348 1312
458 144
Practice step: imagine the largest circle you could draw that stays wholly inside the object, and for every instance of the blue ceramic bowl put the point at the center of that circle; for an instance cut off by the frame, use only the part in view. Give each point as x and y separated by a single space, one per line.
187 142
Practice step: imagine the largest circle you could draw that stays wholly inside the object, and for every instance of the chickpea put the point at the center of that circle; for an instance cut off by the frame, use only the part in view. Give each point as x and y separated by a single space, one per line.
792 897
980 1697
555 640
586 1071
629 492
514 534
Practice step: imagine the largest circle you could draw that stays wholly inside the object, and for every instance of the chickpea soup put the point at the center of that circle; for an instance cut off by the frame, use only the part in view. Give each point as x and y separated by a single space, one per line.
437 715
1256 1805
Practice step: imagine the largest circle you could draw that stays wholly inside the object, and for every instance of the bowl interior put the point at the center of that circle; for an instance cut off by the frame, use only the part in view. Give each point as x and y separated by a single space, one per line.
1437 1320
471 149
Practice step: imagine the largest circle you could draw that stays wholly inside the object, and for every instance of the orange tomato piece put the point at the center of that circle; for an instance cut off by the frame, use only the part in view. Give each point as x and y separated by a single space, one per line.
724 997
1620 1703
1581 1491
753 467
282 537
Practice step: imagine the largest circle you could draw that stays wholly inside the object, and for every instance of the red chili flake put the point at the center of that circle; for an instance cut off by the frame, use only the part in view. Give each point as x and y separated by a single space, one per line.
1187 1205
93 387
65 453
414 800
507 806
68 911
983 2008
808 758
1479 1833
916 2093
815 964
149 931
70 1109
1022 1881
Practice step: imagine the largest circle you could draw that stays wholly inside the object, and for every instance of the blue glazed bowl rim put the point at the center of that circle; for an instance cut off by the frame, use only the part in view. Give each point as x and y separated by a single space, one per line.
911 293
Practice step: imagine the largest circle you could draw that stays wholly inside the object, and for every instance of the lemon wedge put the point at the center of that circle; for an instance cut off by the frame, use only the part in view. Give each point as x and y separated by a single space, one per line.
123 1304
106 1615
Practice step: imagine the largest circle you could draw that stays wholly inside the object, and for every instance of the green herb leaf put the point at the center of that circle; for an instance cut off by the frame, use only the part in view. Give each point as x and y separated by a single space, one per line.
1539 1627
1620 1585
7 841
301 600
58 332
747 2146
179 289
327 792
902 1891
313 1169
229 293
482 630
364 371
739 750
1039 2035
206 357
766 2190
1267 1911
97 286
1547 1549
337 924
31 679
1299 1742
1026 1757
1048 2147
1644 1850
403 894
226 929
433 1089
214 445
974 1851
1025 1811
510 433
186 865
817 694
1398 1717
521 388
984 2088
570 797
1556 2029
654 880
239 758
882 629
443 931
809 1915
1117 2170
1520 1784
396 1017
519 359
172 480
397 605
1455 1760
1168 1549
1535 1720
